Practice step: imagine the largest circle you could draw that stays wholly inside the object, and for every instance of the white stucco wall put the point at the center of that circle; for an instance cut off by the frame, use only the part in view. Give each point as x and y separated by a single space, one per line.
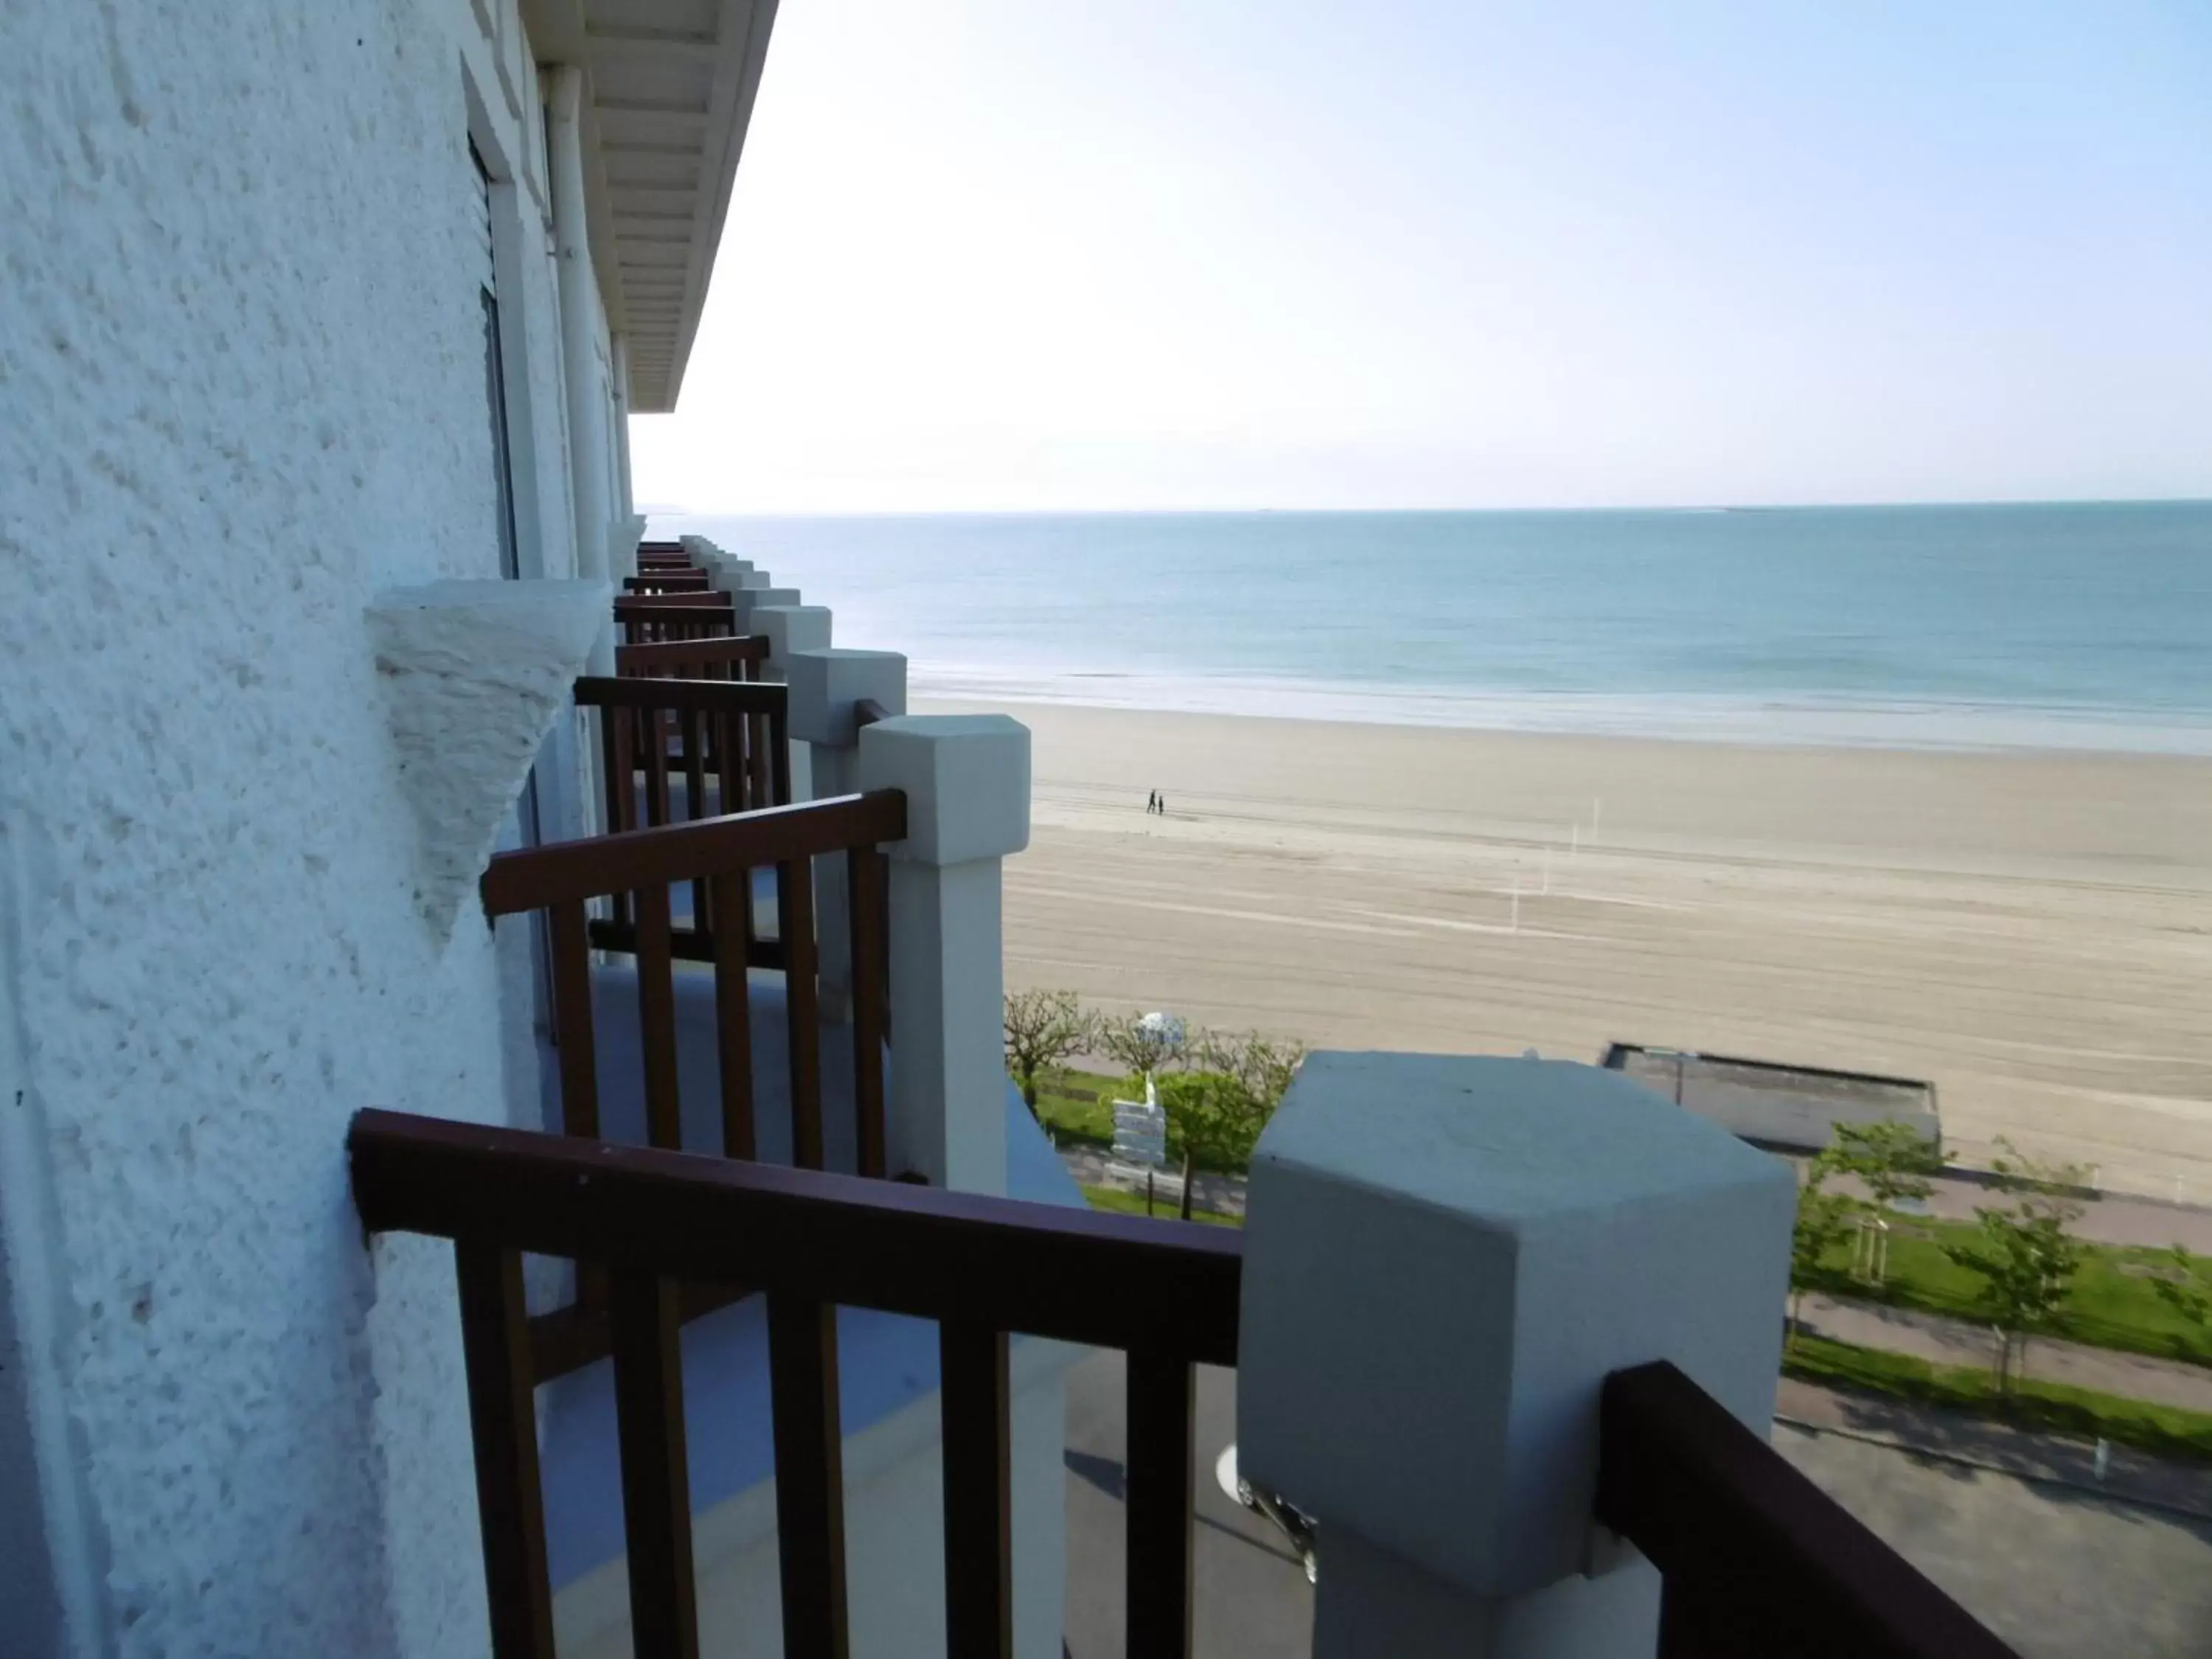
240 390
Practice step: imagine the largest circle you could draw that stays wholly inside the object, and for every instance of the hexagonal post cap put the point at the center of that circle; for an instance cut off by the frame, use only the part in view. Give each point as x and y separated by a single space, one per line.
1446 1256
791 628
966 779
825 684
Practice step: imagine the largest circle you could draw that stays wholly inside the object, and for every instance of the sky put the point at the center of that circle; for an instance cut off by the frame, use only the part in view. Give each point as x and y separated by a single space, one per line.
1012 255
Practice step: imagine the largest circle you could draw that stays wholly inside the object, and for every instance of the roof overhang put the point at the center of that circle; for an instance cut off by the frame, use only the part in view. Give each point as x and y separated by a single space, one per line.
668 93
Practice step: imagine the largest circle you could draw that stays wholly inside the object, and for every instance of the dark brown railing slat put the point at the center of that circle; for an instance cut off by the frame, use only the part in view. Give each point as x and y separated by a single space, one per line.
510 1505
572 1019
732 899
810 1475
656 1008
654 724
622 769
1756 1558
1162 1287
656 1486
1159 1505
979 1616
865 885
794 922
1158 1508
779 755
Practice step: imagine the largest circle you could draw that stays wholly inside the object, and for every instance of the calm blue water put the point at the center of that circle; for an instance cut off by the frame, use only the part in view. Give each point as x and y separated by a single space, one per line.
2045 625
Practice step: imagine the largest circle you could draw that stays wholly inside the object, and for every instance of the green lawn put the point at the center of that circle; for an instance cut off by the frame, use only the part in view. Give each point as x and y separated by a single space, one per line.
2111 1306
2052 1408
1120 1203
1077 1105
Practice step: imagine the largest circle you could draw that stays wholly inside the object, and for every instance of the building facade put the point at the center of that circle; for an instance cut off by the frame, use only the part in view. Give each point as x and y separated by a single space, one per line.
301 305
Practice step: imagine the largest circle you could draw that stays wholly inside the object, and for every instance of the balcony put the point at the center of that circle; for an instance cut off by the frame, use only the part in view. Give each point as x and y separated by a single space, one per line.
1507 1331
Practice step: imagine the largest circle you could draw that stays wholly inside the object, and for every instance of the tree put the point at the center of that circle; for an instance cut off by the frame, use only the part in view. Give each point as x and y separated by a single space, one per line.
1825 1220
1043 1028
1892 1160
2183 1288
1217 1108
1148 1044
2025 1255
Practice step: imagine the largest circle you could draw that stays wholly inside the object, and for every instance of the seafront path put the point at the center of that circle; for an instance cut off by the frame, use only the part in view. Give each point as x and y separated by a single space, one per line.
2107 1219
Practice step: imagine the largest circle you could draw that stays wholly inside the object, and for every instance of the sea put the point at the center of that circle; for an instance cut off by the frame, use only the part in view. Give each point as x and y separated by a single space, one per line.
2075 626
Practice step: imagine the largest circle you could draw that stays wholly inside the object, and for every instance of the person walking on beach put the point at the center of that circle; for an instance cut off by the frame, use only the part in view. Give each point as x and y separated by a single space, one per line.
1152 802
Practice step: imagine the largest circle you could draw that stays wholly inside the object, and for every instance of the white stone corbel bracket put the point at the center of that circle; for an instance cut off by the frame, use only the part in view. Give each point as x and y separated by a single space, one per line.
473 675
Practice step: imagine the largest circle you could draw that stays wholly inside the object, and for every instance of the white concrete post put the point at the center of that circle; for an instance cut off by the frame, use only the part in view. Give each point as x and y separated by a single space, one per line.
619 350
1445 1258
966 779
745 601
825 684
587 423
789 628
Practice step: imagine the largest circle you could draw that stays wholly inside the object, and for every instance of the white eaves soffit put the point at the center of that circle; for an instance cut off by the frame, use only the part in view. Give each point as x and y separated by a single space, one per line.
668 91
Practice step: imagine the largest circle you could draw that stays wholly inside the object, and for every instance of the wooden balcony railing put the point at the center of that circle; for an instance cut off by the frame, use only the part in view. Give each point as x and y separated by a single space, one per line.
728 746
655 1222
647 618
719 855
731 657
667 579
1755 1559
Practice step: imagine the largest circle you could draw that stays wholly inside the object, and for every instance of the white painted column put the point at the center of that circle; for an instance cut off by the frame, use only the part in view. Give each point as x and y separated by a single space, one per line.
966 778
825 684
588 442
789 628
1445 1258
625 500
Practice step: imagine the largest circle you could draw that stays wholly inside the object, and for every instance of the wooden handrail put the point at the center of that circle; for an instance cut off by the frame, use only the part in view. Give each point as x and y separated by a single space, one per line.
1756 1558
572 871
651 604
731 697
662 657
1164 1288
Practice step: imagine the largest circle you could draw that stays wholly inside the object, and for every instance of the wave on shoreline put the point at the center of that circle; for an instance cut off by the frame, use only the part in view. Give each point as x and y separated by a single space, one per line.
1709 718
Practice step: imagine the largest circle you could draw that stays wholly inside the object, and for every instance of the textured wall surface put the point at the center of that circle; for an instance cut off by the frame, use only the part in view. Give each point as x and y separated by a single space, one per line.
241 390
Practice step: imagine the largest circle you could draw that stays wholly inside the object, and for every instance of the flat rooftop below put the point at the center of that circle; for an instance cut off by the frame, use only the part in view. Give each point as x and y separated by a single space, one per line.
1774 1104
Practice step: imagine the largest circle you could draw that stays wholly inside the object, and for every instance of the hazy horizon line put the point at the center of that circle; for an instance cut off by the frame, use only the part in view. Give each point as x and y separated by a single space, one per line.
681 511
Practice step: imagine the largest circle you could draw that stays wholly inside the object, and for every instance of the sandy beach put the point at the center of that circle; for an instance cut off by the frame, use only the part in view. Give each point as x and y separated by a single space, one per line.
2031 932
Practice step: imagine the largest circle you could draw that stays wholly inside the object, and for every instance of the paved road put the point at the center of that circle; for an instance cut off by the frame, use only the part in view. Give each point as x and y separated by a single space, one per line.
1968 1440
1222 1194
2011 1523
1962 1342
2057 1572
